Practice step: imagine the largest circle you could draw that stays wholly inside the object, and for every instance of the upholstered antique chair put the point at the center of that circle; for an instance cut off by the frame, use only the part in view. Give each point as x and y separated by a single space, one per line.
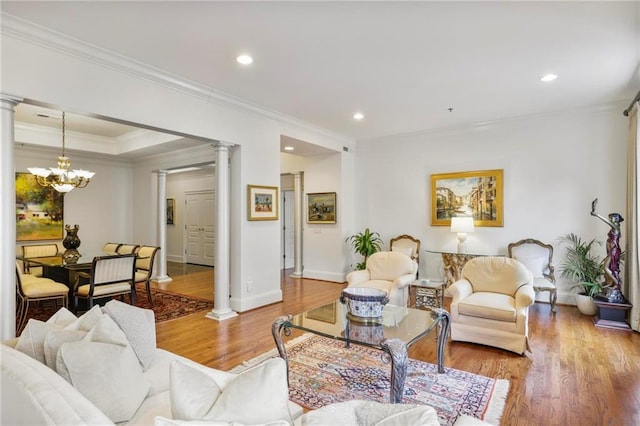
110 276
111 248
30 288
127 248
144 267
490 304
408 245
537 257
34 251
389 271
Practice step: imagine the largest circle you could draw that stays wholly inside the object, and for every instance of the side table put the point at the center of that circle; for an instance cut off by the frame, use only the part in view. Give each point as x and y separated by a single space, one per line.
429 293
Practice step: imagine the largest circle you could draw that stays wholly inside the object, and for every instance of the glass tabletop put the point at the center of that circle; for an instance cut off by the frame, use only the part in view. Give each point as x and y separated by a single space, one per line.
332 320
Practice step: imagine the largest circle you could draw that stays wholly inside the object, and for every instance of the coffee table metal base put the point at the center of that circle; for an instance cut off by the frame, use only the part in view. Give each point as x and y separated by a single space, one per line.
395 348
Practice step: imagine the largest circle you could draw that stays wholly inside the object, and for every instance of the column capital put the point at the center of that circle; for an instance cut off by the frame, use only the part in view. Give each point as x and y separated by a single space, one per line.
9 101
222 145
162 172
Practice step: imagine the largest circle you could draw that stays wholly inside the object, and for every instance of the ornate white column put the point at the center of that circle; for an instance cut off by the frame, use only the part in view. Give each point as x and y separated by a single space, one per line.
161 271
221 276
7 218
297 226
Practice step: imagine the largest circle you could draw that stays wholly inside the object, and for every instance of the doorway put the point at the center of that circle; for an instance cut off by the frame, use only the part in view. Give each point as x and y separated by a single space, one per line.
200 227
288 230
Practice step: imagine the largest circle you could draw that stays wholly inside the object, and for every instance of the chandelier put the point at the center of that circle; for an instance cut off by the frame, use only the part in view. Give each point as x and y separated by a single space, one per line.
61 178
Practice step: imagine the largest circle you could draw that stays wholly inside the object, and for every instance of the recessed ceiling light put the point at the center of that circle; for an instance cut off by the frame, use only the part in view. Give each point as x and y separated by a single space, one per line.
358 116
548 77
288 148
244 59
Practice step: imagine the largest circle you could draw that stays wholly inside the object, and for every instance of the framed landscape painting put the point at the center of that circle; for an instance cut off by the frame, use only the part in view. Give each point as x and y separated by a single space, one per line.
321 207
39 210
262 202
478 194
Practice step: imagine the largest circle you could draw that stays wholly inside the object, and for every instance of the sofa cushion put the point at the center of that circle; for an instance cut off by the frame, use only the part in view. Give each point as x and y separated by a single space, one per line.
266 384
389 265
496 274
359 412
139 325
31 340
163 421
493 306
104 368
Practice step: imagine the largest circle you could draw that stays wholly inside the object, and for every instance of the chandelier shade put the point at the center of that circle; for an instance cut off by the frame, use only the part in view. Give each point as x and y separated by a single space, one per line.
61 178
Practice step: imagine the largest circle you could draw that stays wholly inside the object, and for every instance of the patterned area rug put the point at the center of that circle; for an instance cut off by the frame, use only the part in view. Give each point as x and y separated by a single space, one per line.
322 371
167 305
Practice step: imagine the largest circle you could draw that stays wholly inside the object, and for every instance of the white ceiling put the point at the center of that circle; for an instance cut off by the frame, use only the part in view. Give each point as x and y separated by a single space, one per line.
403 64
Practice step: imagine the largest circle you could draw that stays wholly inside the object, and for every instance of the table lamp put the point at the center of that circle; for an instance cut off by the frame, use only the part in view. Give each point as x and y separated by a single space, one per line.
462 225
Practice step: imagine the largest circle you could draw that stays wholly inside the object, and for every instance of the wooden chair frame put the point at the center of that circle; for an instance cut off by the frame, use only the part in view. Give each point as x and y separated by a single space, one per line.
416 256
94 281
145 264
549 275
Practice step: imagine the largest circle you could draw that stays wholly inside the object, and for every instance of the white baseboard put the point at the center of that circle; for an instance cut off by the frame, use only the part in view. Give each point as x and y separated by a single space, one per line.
255 301
338 277
175 258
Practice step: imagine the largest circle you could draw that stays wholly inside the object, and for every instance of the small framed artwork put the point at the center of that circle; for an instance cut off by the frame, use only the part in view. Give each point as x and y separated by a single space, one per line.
321 207
478 194
39 210
262 202
171 205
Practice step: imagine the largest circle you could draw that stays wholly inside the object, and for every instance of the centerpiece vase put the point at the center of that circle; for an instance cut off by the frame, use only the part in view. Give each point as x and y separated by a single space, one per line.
71 242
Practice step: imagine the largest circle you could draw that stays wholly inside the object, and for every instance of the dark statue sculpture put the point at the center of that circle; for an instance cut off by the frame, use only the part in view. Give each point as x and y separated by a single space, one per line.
612 282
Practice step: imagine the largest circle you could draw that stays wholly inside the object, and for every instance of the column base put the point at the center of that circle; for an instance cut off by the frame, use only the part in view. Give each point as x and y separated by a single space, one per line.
221 316
164 279
295 275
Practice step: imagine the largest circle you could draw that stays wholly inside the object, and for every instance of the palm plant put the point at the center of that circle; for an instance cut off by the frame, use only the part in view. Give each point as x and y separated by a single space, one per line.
365 243
581 265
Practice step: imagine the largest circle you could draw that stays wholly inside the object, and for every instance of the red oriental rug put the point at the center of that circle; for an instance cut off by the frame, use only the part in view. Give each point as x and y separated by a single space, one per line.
322 371
167 305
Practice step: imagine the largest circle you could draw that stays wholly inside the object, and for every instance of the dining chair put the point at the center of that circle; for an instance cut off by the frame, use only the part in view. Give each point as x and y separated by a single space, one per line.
30 288
37 250
109 276
111 248
144 267
128 248
408 245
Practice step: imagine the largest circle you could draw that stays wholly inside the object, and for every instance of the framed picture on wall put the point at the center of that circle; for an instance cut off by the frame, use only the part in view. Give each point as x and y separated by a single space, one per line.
39 210
321 207
478 194
262 202
171 205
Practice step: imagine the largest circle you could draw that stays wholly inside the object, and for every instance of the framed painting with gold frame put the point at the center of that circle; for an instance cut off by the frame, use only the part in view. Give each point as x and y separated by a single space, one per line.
262 202
478 194
321 207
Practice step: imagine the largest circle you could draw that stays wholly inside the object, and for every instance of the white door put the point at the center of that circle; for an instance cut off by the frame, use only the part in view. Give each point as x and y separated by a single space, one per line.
200 227
287 229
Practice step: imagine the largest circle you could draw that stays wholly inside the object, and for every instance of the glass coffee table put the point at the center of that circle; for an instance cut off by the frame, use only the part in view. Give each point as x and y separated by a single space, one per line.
397 330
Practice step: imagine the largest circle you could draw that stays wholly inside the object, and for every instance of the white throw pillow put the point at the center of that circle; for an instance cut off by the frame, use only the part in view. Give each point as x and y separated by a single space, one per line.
535 265
55 339
104 368
139 325
257 395
31 340
87 320
163 421
360 412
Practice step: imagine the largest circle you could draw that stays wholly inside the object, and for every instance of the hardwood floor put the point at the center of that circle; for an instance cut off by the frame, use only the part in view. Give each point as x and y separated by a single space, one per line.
577 374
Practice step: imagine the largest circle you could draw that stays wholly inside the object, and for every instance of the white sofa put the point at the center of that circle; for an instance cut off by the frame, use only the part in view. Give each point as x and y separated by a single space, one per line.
389 271
491 302
130 381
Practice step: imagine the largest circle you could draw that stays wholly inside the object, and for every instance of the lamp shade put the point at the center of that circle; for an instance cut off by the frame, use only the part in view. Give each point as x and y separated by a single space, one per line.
462 224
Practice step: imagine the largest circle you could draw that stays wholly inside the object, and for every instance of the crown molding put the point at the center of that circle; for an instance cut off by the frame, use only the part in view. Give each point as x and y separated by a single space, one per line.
32 33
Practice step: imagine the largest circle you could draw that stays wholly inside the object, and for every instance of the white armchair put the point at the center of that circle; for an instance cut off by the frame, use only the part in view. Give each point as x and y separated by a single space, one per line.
491 302
388 271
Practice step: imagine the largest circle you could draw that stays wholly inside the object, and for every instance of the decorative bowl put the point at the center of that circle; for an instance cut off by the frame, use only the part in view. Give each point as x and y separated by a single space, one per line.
364 303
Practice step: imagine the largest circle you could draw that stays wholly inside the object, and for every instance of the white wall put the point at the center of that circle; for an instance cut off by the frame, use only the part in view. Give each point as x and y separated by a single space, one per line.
554 166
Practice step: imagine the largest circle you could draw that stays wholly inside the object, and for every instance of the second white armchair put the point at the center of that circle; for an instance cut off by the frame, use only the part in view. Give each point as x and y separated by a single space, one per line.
388 271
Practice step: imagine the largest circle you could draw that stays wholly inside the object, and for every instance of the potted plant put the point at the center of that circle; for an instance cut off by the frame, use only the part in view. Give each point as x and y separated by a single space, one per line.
584 268
365 243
